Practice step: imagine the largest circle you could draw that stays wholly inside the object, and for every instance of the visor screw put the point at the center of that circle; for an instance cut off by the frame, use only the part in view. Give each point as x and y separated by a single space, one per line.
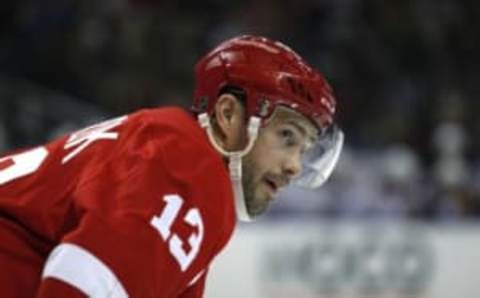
203 103
263 107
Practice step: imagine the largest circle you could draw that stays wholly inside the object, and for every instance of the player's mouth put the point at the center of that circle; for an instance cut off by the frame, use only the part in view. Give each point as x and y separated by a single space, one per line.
276 182
271 186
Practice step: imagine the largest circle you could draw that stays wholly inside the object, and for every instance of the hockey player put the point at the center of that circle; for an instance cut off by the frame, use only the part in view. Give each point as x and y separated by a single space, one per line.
139 206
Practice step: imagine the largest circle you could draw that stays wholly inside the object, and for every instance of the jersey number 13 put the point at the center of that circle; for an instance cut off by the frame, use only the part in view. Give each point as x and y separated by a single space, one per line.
163 224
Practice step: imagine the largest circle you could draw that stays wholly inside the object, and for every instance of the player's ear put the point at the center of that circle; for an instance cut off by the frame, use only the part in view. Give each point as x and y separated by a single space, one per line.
230 121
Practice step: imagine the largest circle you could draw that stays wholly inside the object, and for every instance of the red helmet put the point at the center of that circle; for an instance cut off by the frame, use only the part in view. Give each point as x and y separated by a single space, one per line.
270 73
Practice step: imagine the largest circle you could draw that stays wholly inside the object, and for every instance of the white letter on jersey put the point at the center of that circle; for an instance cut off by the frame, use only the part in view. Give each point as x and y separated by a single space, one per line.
164 222
85 137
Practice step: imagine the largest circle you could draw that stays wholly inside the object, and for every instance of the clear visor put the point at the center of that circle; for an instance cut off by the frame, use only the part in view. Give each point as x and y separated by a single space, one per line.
320 160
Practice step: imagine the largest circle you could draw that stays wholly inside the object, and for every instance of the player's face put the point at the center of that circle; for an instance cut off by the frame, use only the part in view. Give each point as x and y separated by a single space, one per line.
275 159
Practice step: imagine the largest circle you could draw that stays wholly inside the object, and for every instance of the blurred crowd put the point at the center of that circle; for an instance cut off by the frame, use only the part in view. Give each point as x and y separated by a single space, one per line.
405 74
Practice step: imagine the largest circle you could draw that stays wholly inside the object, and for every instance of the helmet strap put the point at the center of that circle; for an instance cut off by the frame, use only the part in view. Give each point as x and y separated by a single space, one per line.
235 161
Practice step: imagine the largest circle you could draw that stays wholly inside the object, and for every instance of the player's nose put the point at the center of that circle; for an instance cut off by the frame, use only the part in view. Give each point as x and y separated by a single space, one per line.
292 165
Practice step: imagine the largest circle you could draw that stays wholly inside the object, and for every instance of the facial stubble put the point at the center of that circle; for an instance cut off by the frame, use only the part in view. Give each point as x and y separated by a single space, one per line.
255 205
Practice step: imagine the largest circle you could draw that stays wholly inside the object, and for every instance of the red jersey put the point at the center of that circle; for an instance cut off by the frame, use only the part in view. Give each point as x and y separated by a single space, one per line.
137 206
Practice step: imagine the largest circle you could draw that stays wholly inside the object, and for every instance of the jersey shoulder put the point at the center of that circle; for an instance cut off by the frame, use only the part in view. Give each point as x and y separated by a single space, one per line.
177 159
171 121
193 164
179 139
178 144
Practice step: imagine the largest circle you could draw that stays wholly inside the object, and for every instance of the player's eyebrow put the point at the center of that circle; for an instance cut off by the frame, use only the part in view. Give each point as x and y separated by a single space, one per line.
303 130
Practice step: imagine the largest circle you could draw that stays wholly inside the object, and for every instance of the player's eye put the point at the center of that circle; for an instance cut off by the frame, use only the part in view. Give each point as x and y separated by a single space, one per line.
288 137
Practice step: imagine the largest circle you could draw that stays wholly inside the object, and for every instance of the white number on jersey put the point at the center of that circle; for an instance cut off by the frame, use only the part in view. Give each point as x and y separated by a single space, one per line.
164 222
22 164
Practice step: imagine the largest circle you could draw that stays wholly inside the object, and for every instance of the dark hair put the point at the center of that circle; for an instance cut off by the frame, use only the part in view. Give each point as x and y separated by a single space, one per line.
235 91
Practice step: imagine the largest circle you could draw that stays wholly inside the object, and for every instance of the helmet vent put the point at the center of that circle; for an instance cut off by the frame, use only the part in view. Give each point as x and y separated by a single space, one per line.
297 88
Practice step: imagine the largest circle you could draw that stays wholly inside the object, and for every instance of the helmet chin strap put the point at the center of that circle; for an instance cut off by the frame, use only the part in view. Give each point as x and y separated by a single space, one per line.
235 161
